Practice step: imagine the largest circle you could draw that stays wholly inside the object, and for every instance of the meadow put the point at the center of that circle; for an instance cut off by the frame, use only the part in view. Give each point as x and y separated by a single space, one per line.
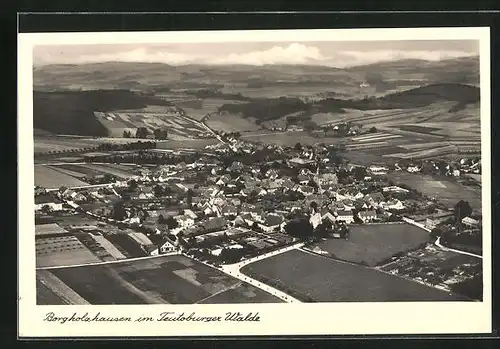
371 244
444 189
323 279
161 280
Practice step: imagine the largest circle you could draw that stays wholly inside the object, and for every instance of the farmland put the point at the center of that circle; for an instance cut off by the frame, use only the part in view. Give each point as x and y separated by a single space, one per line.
45 144
374 243
442 188
60 251
326 280
226 122
49 177
178 126
287 138
162 280
73 175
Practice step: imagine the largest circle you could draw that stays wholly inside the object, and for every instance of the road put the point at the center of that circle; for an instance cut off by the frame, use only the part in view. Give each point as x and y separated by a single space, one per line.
234 270
444 248
437 242
110 262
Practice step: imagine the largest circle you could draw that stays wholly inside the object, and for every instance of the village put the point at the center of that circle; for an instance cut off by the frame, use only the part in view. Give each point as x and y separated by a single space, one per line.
230 203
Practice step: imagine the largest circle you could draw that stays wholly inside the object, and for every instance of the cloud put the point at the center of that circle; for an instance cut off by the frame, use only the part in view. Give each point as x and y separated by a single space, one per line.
295 53
354 58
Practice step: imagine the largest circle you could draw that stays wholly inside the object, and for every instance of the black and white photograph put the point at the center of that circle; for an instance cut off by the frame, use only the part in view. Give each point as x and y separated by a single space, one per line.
309 169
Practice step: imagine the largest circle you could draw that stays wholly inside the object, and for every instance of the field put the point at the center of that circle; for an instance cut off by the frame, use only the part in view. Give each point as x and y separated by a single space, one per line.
444 189
162 280
231 123
50 178
287 138
60 251
56 144
73 175
188 143
326 280
374 243
178 126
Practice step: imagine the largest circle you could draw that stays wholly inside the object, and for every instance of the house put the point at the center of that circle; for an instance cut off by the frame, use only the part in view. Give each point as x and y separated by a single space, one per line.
218 201
190 214
367 216
393 205
306 190
303 179
470 222
214 224
377 169
168 246
288 184
235 202
49 201
272 174
229 210
271 222
246 192
315 219
248 219
328 216
395 189
345 216
348 204
70 194
223 180
431 223
184 221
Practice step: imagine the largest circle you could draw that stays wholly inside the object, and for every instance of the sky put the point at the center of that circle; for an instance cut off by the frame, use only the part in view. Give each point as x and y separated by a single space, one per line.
328 53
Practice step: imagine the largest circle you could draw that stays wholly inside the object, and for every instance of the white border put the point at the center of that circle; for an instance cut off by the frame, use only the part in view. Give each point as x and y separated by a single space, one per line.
276 319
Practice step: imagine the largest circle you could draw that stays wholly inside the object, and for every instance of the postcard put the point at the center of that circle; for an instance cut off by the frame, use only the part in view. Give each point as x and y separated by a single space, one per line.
226 183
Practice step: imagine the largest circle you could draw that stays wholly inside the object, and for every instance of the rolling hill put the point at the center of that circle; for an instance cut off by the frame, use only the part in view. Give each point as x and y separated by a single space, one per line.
151 76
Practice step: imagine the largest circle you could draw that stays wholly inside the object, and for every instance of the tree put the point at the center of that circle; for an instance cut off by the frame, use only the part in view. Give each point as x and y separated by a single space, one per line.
160 133
189 197
359 173
158 191
462 209
132 184
300 228
171 222
161 219
314 206
436 232
142 132
127 134
118 212
372 129
298 147
46 209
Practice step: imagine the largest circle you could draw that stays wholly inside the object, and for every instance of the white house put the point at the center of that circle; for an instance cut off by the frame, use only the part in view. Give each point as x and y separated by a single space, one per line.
345 216
167 247
184 221
395 189
393 205
315 219
468 221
